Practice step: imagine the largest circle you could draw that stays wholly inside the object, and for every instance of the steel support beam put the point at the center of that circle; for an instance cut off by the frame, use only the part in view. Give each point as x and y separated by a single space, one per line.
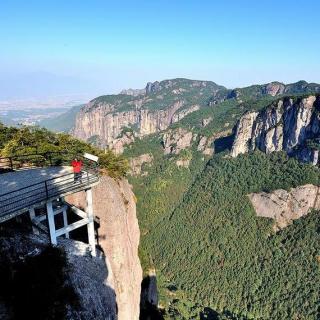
52 227
90 226
32 216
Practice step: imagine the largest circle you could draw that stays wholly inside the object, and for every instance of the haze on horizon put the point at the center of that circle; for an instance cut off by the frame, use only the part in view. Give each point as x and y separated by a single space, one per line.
97 47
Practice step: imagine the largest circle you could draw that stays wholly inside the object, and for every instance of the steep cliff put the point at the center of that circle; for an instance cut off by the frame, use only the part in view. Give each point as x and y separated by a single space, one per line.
118 237
149 111
273 89
106 287
176 140
289 124
137 163
41 282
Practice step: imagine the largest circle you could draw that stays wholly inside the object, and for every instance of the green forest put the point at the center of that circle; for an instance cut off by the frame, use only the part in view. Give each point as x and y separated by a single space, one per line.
215 259
32 140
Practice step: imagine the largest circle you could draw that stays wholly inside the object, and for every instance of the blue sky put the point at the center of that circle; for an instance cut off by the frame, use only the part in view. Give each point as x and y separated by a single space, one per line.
102 46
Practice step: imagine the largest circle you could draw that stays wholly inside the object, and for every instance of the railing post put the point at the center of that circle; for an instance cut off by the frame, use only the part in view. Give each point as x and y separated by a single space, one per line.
46 186
32 215
65 221
11 163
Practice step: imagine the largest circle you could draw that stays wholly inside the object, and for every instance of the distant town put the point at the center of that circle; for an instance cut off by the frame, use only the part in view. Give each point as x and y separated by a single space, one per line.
31 112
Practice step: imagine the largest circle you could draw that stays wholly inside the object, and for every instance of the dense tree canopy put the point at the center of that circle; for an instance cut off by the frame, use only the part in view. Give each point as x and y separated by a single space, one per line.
31 140
214 256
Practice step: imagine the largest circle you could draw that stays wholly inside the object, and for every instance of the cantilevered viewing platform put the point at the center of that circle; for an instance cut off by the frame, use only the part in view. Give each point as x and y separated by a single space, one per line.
27 188
20 190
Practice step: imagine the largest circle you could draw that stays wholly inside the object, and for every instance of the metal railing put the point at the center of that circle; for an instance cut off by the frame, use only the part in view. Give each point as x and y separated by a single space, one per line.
26 161
22 198
33 194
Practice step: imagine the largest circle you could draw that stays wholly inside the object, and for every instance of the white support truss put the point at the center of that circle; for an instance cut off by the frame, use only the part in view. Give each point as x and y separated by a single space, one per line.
87 218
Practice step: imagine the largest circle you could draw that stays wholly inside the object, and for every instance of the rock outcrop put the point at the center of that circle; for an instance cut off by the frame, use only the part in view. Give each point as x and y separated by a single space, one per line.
118 144
206 121
118 236
285 206
206 144
89 277
183 163
137 163
133 92
176 140
108 125
286 125
146 111
273 89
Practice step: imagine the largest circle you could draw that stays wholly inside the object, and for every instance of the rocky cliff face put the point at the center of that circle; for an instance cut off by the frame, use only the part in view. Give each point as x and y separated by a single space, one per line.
118 237
108 126
145 111
285 206
118 144
288 124
176 140
160 104
273 89
89 277
137 163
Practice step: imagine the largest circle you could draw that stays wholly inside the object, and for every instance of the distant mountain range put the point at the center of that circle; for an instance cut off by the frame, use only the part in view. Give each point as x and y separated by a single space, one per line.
161 104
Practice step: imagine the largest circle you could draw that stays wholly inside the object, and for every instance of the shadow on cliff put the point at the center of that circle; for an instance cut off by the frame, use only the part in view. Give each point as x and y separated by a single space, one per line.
210 314
223 144
89 277
39 281
149 299
81 234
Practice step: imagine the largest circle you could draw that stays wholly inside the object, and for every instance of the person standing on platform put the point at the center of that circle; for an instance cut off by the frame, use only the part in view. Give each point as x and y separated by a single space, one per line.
77 167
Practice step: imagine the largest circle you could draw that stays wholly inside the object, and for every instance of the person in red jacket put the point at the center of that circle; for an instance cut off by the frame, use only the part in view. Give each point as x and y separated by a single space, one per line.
77 166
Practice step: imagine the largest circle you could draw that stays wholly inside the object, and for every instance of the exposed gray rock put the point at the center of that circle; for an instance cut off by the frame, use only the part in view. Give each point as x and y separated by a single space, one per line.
183 163
244 132
308 155
285 206
118 235
206 145
137 162
89 276
274 88
206 121
133 92
176 140
117 145
153 87
202 143
102 122
284 125
182 113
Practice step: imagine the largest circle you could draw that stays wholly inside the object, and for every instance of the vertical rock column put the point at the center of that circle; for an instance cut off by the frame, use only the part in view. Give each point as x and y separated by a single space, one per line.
118 237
